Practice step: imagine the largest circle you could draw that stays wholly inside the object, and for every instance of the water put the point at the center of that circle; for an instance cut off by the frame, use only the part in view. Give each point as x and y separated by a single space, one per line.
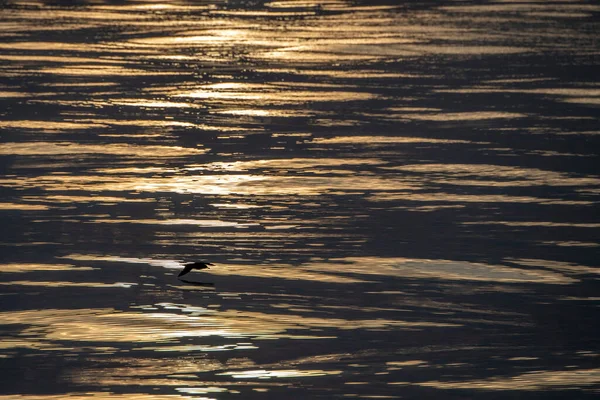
401 199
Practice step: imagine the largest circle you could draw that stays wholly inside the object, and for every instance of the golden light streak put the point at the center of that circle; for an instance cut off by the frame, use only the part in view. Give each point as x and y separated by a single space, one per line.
22 267
71 148
530 381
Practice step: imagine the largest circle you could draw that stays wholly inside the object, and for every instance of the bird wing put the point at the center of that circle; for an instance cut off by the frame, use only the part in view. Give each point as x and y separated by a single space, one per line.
187 269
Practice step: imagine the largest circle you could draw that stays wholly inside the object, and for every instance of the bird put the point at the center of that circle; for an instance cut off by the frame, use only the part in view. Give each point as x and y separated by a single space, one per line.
195 265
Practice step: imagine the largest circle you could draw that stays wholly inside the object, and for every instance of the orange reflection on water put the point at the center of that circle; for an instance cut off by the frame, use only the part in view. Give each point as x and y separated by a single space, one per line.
196 222
562 266
46 327
449 197
184 372
579 95
256 112
20 268
285 164
275 93
23 207
285 272
535 8
164 263
571 243
375 140
218 184
495 175
108 200
142 103
582 379
368 269
465 116
274 374
149 370
47 126
436 269
100 396
69 284
355 73
94 70
70 148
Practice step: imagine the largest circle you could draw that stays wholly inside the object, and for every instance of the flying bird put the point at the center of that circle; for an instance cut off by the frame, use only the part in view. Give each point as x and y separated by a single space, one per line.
195 265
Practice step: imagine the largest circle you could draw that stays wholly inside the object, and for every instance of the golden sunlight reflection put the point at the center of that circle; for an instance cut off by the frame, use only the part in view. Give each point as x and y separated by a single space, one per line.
218 184
467 116
180 371
62 59
195 222
274 374
571 243
364 269
108 200
47 326
152 103
383 140
250 112
585 95
70 148
582 379
286 164
199 348
100 396
149 123
275 93
58 284
449 197
561 266
47 126
397 199
23 207
287 4
95 70
165 263
495 175
21 268
236 206
356 269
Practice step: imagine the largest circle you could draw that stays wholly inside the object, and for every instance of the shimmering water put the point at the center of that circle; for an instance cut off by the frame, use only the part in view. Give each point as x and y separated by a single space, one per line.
401 199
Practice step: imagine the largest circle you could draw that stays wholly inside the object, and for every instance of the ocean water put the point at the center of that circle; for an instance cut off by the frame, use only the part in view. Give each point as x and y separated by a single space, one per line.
400 199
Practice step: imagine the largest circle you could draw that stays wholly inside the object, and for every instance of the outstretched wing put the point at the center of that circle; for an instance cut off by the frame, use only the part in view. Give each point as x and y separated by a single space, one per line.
187 269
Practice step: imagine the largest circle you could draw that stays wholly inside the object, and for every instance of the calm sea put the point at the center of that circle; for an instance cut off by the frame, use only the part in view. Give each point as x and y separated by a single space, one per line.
400 199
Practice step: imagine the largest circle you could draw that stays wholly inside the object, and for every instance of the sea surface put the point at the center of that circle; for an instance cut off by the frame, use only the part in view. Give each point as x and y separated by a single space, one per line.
401 199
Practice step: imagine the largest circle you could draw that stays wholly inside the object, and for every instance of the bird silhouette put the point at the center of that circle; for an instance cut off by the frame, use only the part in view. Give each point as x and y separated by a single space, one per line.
195 265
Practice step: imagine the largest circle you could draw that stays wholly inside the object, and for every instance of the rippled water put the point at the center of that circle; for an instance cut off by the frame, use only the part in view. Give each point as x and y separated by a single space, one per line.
401 199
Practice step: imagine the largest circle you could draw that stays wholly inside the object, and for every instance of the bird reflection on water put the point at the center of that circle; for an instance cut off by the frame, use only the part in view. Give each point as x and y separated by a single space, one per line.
205 284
